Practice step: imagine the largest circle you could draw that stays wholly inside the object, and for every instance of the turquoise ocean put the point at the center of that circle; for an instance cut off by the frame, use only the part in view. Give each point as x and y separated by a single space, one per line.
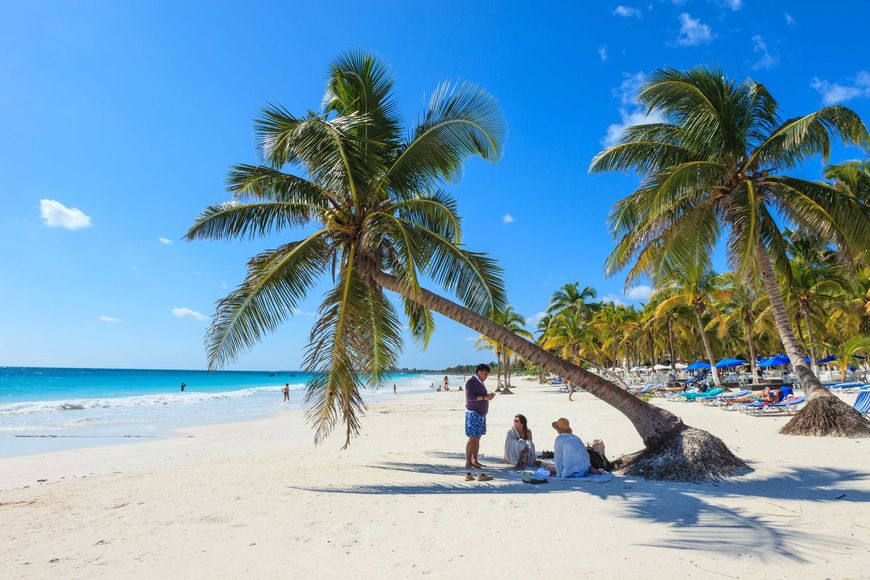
50 409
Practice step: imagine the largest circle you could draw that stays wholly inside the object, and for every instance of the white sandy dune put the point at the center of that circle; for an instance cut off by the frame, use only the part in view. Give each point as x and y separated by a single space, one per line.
258 500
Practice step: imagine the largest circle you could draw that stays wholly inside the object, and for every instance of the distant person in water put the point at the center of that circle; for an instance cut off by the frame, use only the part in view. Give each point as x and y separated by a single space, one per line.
286 391
183 386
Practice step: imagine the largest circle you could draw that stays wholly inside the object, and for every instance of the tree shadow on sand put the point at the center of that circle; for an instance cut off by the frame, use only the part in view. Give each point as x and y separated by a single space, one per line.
696 516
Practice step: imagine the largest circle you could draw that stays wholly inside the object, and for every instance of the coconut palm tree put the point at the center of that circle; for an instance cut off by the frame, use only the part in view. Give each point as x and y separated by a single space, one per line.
738 305
374 218
570 296
510 319
719 166
691 284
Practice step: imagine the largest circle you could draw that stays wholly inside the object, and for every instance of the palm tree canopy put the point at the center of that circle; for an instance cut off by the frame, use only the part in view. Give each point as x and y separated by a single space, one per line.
368 194
717 167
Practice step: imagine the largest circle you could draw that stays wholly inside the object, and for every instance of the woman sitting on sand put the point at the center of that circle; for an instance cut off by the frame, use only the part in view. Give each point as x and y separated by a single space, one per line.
570 455
518 447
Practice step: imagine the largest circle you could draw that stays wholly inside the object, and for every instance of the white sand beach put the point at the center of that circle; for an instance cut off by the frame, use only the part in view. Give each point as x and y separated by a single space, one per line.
259 500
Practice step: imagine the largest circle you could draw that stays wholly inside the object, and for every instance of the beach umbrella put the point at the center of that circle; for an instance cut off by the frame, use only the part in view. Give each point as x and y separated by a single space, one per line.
680 366
698 364
730 362
775 361
827 359
661 367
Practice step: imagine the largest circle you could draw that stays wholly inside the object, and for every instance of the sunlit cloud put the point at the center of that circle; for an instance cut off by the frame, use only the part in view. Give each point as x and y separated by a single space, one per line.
613 298
56 215
109 319
187 313
508 219
602 53
833 93
640 292
165 241
693 32
789 20
630 111
534 319
734 5
766 61
627 11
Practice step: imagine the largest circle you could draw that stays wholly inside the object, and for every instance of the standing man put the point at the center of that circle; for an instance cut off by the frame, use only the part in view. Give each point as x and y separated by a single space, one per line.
286 391
476 407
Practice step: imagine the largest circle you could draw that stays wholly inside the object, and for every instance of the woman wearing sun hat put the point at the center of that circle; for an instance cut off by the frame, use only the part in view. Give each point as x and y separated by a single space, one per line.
570 455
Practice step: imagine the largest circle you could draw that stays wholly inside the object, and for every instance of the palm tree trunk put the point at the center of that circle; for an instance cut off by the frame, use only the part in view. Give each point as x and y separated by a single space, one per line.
810 383
671 345
810 347
673 451
824 414
498 366
753 360
707 348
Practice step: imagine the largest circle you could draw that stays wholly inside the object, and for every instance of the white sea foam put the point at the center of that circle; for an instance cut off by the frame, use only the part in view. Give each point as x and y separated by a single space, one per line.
39 407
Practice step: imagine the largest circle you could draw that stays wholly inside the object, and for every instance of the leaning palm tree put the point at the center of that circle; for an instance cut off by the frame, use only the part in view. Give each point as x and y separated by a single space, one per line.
719 166
374 218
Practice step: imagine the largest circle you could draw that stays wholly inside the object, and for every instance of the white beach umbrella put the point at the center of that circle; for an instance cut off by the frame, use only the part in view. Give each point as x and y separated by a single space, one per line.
680 366
662 367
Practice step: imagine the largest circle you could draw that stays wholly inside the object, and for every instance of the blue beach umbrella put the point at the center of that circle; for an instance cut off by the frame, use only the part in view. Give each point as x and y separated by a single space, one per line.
827 359
698 364
775 361
730 362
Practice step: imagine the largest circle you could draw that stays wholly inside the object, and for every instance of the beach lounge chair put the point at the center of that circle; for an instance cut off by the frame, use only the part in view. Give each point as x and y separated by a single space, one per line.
786 407
846 387
718 399
862 403
708 395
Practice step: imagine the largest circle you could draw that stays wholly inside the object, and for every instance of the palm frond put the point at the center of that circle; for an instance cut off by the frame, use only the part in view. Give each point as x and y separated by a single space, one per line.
277 280
231 219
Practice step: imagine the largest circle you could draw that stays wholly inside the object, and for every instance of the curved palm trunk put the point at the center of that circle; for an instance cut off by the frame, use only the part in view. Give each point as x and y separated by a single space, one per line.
810 383
674 451
707 348
603 368
825 414
753 359
652 423
671 345
498 368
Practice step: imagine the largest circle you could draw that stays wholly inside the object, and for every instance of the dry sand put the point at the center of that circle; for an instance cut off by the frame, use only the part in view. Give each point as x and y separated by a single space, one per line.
258 500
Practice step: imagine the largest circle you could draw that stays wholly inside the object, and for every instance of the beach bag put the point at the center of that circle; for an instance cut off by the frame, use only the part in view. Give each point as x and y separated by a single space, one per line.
598 460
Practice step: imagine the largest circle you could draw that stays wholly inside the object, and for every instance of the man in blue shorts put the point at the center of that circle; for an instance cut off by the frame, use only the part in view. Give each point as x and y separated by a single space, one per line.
476 406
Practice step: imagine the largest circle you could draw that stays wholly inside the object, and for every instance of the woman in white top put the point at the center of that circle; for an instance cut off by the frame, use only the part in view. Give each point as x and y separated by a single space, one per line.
570 455
519 450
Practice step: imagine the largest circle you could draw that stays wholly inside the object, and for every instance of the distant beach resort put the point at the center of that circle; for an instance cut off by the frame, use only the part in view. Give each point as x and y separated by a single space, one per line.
628 244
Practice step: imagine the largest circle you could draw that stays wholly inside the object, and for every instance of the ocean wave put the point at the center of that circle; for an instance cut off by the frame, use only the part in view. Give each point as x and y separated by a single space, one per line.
73 405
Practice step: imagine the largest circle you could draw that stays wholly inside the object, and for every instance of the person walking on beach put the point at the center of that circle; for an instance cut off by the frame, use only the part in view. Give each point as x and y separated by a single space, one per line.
286 391
394 389
476 407
446 383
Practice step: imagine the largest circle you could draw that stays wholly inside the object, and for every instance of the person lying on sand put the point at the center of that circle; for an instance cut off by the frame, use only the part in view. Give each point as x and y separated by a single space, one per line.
571 457
765 396
519 450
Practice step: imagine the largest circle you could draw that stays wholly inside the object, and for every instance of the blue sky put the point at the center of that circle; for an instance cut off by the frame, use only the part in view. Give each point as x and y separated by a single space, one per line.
119 120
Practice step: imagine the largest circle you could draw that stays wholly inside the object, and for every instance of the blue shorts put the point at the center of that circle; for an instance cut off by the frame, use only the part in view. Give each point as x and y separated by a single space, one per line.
475 424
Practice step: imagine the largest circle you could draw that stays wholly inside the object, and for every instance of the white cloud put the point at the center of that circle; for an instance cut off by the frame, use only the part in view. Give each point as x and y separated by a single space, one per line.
631 112
223 285
602 53
56 214
788 19
298 312
734 5
614 299
833 93
508 219
626 11
534 319
640 292
187 313
767 60
109 319
693 32
164 241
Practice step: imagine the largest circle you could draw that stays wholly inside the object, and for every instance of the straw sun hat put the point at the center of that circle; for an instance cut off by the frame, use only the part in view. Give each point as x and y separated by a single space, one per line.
562 425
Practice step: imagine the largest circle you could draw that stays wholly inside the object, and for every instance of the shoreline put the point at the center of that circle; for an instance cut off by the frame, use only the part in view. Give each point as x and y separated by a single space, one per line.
257 498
